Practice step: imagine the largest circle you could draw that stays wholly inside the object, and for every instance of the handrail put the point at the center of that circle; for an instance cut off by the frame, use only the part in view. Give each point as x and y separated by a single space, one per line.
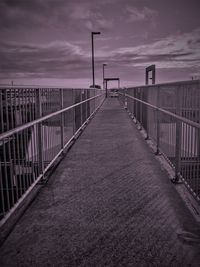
32 123
37 127
192 123
162 111
165 84
37 87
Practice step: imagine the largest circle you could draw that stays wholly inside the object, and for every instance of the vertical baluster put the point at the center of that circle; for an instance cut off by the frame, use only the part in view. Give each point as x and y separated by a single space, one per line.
158 122
39 132
62 119
3 195
178 136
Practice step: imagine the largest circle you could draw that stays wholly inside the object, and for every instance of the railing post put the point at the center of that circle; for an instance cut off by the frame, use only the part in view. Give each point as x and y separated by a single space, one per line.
62 119
178 151
140 110
198 143
106 89
125 99
136 105
146 91
81 107
95 101
158 123
198 130
86 104
39 131
73 112
178 137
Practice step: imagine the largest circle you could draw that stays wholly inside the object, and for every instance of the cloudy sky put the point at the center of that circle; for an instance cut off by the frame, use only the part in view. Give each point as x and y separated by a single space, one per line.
48 42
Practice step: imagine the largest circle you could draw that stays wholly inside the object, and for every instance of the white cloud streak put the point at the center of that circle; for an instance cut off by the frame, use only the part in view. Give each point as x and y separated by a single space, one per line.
180 51
65 59
136 14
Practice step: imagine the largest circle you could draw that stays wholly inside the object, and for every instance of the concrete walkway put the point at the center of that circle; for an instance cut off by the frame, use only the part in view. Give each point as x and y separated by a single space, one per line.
107 204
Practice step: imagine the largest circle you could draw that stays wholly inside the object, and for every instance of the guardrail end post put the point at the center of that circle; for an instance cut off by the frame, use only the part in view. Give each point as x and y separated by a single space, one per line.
39 132
176 179
62 118
157 153
178 137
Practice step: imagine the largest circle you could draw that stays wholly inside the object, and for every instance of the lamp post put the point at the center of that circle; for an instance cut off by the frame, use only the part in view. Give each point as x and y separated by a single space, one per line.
92 37
104 64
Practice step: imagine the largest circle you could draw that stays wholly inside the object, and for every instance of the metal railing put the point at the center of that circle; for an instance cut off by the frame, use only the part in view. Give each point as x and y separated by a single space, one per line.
170 115
36 126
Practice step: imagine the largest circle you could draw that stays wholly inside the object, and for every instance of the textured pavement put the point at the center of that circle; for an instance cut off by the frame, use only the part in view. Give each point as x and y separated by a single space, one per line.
108 203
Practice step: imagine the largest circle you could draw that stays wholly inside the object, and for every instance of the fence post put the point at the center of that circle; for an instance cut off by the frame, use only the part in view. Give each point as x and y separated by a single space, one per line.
145 98
39 131
136 105
106 89
62 119
73 112
86 105
178 137
125 99
81 107
140 110
198 143
158 123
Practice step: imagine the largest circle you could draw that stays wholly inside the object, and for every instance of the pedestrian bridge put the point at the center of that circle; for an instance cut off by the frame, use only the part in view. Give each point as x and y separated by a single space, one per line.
109 201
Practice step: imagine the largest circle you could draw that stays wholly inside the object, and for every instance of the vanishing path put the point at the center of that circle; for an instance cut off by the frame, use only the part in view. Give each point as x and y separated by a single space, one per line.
108 203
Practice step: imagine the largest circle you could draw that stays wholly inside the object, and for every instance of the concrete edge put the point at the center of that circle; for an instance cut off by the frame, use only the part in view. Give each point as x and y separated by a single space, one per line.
181 188
10 223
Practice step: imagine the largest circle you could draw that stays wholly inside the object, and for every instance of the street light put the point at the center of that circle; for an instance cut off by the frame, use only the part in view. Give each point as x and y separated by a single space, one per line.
92 37
104 64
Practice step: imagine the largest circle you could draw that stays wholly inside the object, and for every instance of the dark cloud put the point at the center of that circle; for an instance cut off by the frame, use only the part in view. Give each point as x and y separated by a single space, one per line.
136 14
34 5
129 59
20 14
24 4
64 59
53 60
40 36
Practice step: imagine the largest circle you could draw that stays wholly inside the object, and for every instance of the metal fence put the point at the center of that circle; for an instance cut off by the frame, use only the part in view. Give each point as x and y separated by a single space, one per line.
170 114
36 125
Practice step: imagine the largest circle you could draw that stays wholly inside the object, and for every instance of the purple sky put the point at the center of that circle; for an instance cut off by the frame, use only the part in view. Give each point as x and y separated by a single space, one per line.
48 42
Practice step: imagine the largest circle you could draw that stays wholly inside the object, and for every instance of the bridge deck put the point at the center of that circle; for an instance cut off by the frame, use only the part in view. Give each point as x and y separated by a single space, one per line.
107 204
